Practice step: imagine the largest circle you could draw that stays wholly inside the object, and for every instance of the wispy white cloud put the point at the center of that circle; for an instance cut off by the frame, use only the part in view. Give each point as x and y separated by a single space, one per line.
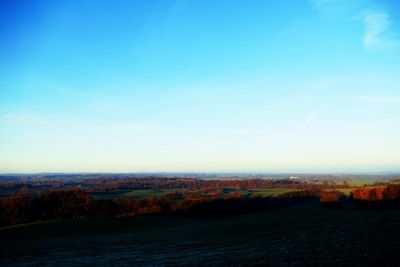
212 141
336 8
327 4
379 33
22 118
323 85
377 30
35 134
383 123
309 120
381 100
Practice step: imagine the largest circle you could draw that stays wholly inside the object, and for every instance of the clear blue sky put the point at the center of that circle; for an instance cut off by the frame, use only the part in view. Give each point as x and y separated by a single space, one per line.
120 86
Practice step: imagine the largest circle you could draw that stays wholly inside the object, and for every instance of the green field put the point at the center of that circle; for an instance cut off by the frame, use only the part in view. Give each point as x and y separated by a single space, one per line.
285 237
274 192
140 194
361 182
146 193
345 191
136 194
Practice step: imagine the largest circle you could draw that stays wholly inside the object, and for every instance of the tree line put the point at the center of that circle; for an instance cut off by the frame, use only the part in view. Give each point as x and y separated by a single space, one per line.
76 203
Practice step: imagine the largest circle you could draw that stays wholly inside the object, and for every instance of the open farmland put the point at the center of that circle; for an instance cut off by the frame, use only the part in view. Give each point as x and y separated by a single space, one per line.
136 194
148 193
273 192
284 237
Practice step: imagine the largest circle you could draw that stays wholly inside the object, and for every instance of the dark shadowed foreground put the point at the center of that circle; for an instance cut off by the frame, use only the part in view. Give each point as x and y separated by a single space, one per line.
297 236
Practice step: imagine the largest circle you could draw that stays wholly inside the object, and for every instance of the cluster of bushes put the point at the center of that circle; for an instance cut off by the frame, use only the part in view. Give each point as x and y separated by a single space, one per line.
379 197
69 204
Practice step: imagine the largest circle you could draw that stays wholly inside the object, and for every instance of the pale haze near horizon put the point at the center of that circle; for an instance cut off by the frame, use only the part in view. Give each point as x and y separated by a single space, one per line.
125 86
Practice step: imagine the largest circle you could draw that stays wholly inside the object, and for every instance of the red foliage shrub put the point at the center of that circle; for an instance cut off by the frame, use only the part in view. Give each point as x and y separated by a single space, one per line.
330 196
368 193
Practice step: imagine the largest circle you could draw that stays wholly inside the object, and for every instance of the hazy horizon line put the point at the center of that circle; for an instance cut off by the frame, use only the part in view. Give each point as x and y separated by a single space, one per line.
205 172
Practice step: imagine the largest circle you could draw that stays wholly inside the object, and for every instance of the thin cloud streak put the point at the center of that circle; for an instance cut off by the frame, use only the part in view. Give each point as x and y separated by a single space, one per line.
383 123
307 123
377 31
332 8
381 100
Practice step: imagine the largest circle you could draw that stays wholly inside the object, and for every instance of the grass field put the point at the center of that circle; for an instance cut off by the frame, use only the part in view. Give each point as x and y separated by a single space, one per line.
140 194
361 182
274 192
136 194
345 191
285 237
146 193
